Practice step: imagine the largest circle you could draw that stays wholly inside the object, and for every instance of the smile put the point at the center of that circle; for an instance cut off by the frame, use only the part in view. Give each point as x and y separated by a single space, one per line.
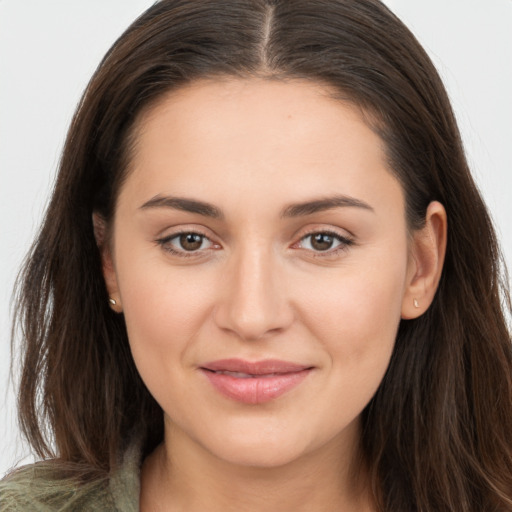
254 382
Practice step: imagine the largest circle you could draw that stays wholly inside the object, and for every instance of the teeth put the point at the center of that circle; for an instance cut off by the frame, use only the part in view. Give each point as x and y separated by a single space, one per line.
240 375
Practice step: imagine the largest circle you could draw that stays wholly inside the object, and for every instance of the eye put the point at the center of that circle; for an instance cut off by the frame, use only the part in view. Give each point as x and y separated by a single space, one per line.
185 243
324 241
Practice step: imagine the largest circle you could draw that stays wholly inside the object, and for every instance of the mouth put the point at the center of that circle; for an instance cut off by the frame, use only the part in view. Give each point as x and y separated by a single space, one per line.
254 382
240 375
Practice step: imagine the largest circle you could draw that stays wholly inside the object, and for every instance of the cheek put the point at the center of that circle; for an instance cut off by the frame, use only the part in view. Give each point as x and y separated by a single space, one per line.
356 317
164 310
363 298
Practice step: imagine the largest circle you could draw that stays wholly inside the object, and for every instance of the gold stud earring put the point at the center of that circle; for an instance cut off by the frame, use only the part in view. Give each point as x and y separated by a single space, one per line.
416 303
112 301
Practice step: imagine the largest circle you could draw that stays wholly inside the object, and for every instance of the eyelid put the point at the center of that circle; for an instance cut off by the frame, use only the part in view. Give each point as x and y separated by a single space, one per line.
345 241
164 242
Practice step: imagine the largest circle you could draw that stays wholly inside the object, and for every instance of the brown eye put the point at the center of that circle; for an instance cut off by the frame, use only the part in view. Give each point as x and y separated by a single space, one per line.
322 241
325 241
191 241
186 244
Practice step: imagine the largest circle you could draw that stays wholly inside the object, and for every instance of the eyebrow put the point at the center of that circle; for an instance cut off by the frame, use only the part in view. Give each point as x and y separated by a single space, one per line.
320 205
293 210
184 204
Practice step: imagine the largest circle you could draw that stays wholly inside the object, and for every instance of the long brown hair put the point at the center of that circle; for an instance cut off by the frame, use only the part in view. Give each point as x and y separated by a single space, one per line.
437 436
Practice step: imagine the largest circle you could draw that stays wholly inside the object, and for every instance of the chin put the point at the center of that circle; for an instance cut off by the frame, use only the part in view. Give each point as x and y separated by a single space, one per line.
257 448
263 456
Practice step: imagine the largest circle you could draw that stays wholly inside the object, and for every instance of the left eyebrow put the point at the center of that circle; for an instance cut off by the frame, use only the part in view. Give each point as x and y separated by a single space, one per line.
320 205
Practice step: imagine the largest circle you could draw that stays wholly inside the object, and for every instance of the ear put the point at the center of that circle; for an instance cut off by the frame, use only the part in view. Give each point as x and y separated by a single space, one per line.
109 274
426 258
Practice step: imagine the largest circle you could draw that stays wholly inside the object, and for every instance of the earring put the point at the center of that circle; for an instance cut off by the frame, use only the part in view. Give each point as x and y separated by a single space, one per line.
416 303
112 301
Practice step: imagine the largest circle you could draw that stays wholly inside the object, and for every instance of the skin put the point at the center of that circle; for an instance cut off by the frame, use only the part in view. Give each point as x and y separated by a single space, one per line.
257 288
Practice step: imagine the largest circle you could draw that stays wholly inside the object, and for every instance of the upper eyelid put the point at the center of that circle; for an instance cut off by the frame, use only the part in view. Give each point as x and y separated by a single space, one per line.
165 244
344 240
338 232
331 231
172 236
171 232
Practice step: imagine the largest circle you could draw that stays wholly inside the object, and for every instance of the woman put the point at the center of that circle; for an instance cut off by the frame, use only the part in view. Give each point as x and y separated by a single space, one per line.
266 280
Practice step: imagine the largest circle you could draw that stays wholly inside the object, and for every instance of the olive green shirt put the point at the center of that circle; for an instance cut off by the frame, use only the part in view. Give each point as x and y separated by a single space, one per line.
35 488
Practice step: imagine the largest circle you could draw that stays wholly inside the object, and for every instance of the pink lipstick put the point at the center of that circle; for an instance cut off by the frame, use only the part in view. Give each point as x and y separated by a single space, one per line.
254 382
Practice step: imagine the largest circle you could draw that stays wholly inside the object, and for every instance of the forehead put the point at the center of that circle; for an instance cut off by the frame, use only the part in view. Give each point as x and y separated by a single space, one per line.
249 136
251 105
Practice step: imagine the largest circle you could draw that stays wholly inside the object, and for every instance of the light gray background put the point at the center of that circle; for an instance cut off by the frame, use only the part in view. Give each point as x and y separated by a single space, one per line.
49 49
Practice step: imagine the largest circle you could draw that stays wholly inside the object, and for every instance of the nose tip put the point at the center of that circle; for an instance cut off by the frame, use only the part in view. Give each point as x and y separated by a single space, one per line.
250 326
254 304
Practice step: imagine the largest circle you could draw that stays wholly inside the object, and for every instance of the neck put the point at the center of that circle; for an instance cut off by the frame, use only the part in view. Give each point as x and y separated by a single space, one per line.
181 475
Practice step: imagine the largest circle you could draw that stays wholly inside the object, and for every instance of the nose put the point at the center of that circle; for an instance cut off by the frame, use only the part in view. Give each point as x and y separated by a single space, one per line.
253 302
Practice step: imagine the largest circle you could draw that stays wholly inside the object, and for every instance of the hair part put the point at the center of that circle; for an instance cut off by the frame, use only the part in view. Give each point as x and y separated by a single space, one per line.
436 435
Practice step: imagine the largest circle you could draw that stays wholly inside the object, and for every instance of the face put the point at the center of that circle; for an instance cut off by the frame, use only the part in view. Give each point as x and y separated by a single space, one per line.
260 257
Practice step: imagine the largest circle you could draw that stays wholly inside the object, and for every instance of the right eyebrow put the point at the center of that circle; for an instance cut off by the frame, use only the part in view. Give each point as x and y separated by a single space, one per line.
184 204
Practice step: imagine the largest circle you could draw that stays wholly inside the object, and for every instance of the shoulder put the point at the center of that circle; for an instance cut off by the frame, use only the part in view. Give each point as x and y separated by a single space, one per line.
51 486
45 487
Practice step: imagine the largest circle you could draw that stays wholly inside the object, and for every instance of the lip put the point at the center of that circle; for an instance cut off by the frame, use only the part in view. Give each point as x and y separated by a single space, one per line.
254 382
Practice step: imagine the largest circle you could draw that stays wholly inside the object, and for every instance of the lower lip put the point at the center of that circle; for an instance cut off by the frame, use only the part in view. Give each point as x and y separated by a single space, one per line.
255 390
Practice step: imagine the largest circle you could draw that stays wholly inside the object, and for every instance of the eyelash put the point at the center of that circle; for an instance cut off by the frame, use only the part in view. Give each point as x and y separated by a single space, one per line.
165 243
345 243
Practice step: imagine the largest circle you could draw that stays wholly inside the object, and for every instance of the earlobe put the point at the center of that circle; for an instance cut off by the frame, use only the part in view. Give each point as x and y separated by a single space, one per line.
107 265
427 253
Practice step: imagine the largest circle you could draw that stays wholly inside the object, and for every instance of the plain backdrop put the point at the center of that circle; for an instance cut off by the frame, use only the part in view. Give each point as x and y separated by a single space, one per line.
49 49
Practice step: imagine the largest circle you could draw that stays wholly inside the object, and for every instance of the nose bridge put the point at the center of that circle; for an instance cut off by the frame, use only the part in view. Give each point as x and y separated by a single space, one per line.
254 300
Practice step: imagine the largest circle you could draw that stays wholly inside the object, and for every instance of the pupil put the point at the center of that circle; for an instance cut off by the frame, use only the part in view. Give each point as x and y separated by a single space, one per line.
191 241
322 242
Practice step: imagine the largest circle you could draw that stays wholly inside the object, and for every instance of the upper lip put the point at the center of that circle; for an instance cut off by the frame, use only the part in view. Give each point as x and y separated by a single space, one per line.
263 367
